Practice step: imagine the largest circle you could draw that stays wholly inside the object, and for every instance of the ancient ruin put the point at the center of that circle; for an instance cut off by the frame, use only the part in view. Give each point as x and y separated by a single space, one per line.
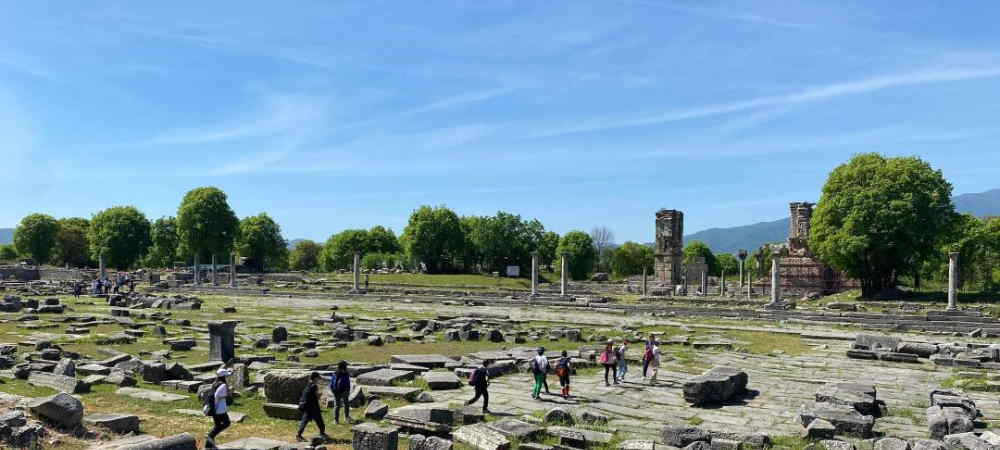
669 247
800 273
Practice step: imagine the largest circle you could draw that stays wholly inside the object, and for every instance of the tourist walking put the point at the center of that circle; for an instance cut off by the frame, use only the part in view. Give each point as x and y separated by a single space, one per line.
340 385
647 354
563 369
654 363
480 381
607 359
309 406
77 288
622 362
540 368
219 400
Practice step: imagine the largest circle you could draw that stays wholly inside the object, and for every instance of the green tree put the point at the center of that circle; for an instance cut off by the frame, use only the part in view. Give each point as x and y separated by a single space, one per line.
728 263
581 255
474 228
630 258
382 240
547 248
305 255
163 253
261 241
698 249
759 262
36 236
120 234
71 245
339 250
879 217
206 223
434 237
8 253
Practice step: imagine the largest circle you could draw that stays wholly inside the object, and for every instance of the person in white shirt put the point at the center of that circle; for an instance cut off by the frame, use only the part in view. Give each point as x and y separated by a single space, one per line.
220 414
540 368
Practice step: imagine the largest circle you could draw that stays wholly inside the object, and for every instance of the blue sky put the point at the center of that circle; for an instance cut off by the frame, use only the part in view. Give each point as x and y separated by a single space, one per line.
334 115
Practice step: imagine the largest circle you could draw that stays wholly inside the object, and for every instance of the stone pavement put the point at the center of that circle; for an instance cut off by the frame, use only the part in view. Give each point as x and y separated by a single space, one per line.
785 384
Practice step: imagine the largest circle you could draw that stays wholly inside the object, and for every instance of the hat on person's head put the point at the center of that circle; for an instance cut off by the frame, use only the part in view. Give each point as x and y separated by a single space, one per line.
223 372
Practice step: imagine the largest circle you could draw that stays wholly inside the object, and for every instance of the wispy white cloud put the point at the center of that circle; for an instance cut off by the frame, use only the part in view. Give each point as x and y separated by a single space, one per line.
720 13
807 95
278 114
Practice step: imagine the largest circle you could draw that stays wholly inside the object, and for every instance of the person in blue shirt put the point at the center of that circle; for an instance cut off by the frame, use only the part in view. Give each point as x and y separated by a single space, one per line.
340 385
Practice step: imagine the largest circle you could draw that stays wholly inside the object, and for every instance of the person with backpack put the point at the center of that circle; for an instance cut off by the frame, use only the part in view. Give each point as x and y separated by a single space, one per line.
340 385
217 406
563 369
480 380
309 406
607 359
654 363
622 362
539 368
647 355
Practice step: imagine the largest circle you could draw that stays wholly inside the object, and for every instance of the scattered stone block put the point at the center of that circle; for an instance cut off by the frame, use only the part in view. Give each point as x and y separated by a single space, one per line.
149 395
60 383
368 436
116 423
61 409
441 380
286 411
285 386
254 443
516 429
376 410
481 437
682 436
717 385
384 377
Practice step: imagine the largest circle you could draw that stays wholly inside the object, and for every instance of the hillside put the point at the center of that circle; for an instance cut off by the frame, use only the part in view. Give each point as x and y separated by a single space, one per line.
749 237
6 235
729 240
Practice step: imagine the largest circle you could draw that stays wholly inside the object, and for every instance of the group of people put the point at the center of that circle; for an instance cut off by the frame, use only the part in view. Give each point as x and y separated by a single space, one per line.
104 286
217 403
615 360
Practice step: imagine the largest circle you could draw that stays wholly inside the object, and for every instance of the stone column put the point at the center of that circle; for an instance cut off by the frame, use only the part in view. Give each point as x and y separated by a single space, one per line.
775 287
722 285
222 340
232 270
741 275
704 282
563 276
644 281
100 262
952 279
215 278
357 272
197 271
534 274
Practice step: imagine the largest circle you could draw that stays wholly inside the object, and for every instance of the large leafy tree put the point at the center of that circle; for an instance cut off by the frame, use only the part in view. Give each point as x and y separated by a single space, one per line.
578 247
434 237
339 250
35 237
120 234
72 246
698 249
503 240
547 248
630 258
163 253
382 240
305 255
728 264
8 252
977 242
879 217
206 223
261 241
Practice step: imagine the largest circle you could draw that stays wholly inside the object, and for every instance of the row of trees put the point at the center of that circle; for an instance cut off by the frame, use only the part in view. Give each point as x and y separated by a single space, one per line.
205 226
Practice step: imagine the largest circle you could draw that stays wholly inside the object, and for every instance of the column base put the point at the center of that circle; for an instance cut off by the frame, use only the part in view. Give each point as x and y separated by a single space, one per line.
357 291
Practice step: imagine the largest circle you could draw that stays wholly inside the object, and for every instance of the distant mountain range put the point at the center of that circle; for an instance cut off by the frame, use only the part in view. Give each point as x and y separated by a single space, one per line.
750 237
6 235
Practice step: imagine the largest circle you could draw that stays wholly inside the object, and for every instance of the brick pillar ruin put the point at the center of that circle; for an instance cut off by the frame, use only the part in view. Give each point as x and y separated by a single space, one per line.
669 246
798 233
